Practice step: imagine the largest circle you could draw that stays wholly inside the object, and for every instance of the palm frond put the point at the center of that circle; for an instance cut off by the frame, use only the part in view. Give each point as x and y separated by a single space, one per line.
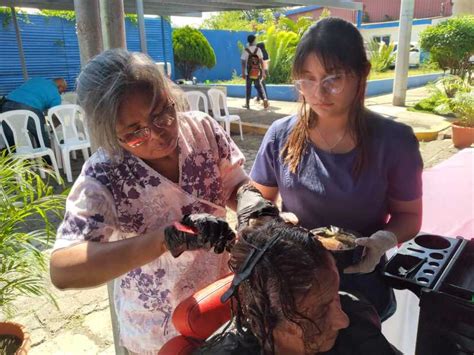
381 55
25 200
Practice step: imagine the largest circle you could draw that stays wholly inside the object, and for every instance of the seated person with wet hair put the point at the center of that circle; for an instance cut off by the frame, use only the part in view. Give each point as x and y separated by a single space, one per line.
285 293
286 299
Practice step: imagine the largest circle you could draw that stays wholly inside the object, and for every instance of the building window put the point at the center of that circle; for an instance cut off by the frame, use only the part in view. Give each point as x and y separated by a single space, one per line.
385 39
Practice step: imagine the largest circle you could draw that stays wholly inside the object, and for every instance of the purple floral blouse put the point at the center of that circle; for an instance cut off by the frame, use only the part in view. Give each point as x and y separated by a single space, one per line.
117 200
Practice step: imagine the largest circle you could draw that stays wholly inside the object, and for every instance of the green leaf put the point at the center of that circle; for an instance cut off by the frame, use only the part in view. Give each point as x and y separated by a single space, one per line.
450 43
25 200
381 56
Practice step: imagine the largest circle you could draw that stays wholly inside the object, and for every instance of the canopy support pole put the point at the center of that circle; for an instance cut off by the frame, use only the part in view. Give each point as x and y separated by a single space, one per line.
403 53
20 44
141 26
113 24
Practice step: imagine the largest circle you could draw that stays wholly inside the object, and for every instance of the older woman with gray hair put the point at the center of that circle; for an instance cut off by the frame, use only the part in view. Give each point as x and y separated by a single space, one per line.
155 164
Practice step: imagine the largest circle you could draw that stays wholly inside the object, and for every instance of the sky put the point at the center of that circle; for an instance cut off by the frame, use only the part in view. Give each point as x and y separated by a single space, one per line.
181 21
177 21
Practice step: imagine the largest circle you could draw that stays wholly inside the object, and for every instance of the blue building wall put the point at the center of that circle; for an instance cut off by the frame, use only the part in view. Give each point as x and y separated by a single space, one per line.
227 52
51 48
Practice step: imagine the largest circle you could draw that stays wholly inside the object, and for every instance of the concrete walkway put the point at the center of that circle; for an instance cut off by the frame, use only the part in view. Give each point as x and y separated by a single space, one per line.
426 126
81 323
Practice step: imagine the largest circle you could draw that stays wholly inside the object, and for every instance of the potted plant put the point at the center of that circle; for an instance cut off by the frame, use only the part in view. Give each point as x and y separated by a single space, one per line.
27 204
462 105
453 96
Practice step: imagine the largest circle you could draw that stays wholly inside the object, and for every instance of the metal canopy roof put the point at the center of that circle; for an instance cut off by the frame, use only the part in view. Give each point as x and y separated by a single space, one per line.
183 7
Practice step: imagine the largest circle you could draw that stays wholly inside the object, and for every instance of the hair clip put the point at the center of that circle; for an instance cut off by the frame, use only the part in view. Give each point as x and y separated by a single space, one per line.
247 267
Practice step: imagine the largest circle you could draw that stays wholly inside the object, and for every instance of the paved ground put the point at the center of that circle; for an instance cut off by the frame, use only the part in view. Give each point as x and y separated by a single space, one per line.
426 126
81 323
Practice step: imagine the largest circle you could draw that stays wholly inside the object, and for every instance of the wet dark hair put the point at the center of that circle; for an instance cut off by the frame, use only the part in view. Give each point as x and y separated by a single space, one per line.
340 47
251 39
286 272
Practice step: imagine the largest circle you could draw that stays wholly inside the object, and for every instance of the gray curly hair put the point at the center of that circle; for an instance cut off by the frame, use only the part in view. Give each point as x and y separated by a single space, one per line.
103 83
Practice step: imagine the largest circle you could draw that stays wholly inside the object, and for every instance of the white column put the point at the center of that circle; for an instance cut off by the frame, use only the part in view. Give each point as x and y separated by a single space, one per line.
403 52
113 24
88 29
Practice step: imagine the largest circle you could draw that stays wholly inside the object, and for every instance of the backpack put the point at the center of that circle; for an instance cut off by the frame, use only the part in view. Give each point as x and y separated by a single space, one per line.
254 68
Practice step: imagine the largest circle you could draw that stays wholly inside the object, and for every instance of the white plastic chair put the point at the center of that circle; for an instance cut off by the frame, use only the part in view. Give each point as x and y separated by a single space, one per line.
217 97
67 136
194 98
3 144
69 97
17 121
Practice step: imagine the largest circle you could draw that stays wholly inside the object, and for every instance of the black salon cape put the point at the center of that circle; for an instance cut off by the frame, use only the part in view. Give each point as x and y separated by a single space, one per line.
362 337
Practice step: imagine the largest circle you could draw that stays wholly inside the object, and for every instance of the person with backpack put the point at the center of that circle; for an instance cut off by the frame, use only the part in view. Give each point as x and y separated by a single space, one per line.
252 70
266 60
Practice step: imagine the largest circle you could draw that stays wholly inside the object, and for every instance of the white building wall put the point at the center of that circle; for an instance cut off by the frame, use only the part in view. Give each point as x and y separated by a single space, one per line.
463 7
369 33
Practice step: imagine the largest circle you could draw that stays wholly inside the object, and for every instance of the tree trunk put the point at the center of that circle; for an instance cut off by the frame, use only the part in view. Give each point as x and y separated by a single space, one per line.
190 69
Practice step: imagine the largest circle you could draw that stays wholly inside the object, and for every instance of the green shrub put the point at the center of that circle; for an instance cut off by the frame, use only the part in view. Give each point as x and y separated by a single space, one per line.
450 44
442 93
382 56
228 20
64 14
457 99
281 40
431 102
325 13
6 16
70 15
191 51
462 104
241 20
429 66
281 46
299 27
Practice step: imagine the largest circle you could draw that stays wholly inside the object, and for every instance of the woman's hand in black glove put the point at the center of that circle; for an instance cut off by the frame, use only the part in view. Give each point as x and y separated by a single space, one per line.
252 205
199 231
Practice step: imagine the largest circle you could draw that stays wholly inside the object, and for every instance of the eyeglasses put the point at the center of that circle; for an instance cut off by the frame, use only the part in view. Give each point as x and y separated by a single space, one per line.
332 84
164 119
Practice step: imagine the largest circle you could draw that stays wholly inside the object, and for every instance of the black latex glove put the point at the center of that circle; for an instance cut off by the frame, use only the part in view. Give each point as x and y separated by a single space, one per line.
251 204
205 231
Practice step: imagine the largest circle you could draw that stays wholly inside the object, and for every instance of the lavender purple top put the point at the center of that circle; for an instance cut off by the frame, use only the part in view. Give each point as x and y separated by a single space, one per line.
324 192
